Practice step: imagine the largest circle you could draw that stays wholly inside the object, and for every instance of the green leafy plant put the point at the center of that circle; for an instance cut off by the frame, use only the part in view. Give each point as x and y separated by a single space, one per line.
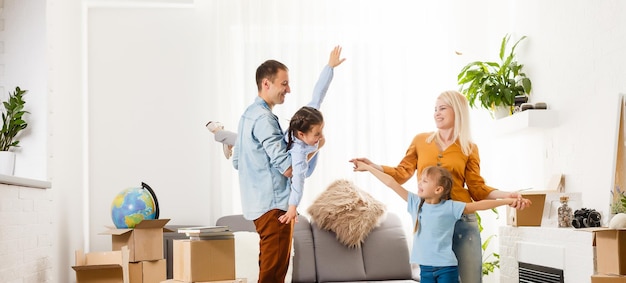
12 119
491 261
495 84
619 201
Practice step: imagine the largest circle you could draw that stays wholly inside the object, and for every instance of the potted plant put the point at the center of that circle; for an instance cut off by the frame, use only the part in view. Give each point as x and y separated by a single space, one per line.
495 84
12 124
619 201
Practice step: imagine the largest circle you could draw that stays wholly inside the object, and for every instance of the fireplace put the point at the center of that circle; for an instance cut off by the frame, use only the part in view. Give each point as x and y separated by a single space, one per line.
532 273
535 250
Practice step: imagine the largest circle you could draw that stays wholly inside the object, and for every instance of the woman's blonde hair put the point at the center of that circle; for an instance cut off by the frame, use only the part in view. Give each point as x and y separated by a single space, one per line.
461 131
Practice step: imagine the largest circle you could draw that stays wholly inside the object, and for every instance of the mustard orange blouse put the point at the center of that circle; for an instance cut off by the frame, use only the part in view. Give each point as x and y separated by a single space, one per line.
465 170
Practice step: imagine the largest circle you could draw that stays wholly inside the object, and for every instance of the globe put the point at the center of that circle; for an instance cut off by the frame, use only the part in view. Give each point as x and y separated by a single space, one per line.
133 205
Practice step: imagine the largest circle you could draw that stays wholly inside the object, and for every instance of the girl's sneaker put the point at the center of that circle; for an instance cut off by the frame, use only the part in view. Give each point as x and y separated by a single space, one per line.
217 126
214 126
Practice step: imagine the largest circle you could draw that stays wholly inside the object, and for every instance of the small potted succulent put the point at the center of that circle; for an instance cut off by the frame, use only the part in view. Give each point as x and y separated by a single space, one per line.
493 85
12 124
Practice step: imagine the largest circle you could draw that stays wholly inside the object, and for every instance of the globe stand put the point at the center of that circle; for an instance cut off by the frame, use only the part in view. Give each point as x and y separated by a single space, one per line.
156 202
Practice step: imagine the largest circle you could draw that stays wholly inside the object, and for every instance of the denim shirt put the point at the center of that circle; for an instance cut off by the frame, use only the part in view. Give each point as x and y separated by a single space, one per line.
261 158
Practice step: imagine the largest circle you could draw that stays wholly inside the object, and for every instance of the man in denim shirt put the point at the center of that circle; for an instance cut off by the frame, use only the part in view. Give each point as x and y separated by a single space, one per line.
264 166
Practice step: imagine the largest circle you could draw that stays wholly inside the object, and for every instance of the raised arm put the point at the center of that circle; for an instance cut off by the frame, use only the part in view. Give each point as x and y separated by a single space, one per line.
323 83
492 203
384 178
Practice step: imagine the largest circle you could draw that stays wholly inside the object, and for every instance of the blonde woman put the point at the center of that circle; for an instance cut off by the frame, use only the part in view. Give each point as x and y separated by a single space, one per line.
451 147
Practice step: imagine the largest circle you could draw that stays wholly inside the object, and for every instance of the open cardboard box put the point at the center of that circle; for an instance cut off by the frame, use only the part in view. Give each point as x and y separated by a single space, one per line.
102 267
610 250
533 215
145 241
530 216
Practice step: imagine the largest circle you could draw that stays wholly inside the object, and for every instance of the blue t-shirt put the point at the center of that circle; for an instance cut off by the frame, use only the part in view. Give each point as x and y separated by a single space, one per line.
432 244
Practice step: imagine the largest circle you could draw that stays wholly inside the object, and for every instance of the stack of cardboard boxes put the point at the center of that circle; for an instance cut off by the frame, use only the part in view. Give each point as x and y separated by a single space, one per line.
610 255
209 258
141 256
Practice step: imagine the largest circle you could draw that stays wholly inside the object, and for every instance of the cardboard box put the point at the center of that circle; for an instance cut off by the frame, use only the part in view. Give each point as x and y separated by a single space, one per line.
238 280
147 271
145 241
533 215
204 260
610 250
102 267
530 216
607 278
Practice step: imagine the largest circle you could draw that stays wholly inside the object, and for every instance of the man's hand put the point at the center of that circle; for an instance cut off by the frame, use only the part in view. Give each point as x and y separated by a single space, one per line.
289 172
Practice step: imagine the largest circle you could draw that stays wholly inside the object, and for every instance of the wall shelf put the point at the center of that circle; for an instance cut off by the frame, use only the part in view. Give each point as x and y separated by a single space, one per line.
25 182
525 120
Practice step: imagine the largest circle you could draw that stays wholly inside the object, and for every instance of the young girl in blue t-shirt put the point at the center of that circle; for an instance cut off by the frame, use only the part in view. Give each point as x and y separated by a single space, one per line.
435 215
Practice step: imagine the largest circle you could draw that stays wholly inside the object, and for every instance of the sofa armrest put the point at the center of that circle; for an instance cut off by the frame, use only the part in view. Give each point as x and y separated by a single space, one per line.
236 223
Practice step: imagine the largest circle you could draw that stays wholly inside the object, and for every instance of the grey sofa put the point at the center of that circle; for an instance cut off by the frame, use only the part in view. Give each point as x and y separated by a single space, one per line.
319 257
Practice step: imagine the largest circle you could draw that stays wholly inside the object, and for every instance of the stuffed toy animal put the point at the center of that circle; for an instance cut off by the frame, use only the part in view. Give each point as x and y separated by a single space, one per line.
618 221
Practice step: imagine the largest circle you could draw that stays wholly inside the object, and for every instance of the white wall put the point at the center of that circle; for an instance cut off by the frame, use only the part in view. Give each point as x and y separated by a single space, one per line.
27 240
28 237
23 64
65 165
574 58
145 113
583 80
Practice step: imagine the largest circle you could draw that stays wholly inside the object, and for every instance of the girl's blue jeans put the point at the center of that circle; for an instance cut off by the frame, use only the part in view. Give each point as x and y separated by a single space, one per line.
439 274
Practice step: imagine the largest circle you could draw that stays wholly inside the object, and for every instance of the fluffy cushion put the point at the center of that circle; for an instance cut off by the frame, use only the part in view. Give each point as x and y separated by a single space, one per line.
348 211
247 256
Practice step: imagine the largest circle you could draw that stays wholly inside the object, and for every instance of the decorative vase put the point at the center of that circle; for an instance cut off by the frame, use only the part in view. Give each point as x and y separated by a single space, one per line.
618 221
7 163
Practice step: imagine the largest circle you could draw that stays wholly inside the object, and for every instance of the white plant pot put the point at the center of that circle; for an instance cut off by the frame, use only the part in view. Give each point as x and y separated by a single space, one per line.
7 163
501 111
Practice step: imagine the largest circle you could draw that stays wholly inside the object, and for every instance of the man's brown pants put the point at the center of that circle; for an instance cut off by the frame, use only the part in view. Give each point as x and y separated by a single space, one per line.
275 246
